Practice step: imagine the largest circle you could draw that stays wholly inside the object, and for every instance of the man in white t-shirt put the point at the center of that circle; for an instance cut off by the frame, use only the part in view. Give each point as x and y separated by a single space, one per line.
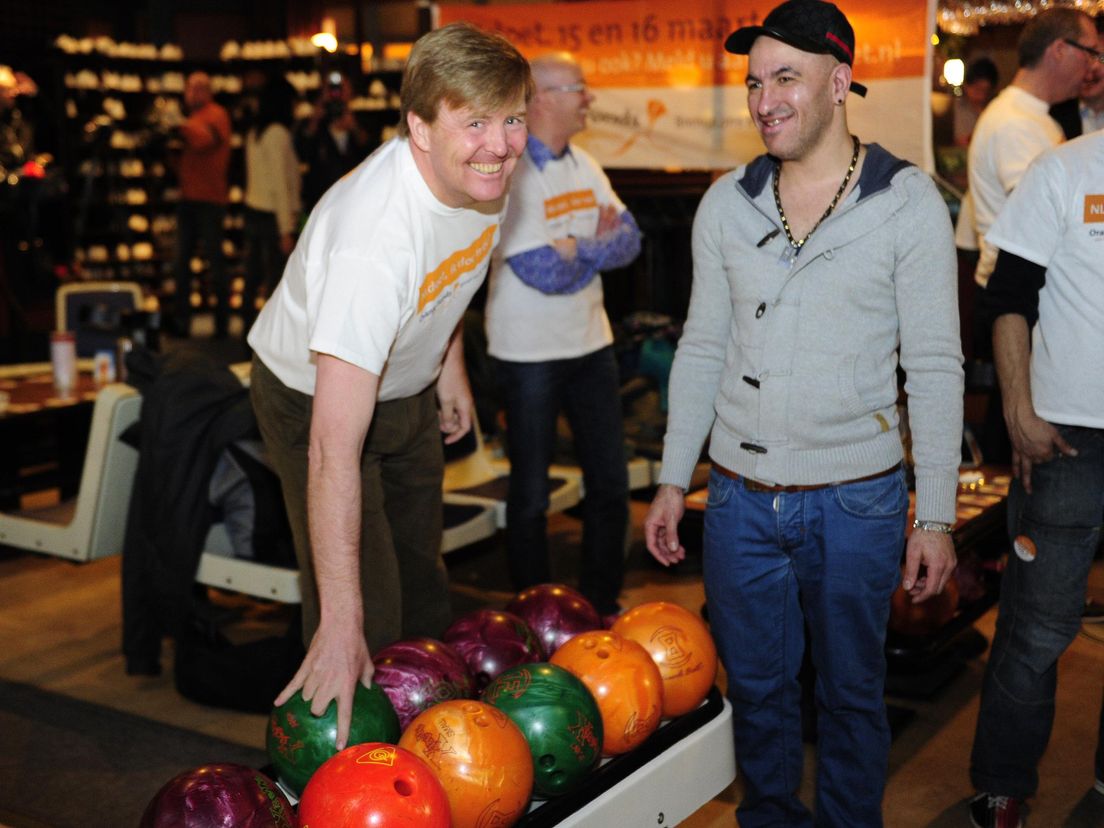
1016 126
359 364
1046 295
550 340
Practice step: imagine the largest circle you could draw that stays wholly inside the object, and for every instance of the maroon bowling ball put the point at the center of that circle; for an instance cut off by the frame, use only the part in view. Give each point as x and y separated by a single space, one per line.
417 673
556 613
219 796
491 641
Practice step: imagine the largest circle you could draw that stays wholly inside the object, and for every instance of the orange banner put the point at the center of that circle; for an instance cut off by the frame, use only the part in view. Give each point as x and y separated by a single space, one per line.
650 43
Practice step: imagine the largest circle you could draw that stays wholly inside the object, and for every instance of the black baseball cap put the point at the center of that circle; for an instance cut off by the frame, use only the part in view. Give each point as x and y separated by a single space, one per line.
809 25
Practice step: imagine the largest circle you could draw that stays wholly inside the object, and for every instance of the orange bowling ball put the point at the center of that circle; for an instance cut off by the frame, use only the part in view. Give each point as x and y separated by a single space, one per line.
681 647
926 618
480 757
623 680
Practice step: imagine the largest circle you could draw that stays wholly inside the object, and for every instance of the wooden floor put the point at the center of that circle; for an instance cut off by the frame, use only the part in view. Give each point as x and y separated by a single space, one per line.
60 625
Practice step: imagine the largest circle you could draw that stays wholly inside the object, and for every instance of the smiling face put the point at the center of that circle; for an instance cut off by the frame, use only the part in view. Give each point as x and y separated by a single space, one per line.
467 156
792 96
562 99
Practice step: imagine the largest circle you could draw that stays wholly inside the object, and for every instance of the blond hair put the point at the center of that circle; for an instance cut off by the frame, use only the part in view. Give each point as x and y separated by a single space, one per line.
462 65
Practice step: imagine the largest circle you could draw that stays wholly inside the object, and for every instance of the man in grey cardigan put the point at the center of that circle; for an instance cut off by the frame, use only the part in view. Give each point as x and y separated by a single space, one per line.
815 266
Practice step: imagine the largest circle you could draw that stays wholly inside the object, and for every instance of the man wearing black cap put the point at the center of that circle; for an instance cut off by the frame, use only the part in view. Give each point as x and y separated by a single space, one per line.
815 265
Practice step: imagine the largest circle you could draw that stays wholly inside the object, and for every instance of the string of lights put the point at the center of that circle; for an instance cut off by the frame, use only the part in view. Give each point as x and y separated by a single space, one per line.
966 17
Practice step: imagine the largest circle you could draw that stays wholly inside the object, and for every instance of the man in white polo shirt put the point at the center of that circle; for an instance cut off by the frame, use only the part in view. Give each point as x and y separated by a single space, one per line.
1046 295
359 365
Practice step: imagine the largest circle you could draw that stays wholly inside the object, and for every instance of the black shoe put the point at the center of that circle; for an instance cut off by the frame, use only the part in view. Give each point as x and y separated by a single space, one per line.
988 811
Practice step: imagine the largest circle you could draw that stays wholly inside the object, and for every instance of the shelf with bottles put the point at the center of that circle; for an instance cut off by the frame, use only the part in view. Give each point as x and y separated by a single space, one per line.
120 106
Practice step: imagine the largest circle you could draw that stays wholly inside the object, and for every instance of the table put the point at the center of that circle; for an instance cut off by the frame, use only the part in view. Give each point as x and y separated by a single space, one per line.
44 437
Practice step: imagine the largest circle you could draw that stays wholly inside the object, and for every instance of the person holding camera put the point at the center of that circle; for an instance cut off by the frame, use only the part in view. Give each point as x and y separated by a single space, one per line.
331 142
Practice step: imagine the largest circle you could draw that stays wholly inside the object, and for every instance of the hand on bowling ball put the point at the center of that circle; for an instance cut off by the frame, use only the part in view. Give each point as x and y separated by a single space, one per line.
336 660
661 525
936 553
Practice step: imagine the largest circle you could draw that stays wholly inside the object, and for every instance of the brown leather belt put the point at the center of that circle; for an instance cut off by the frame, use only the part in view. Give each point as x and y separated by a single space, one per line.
756 486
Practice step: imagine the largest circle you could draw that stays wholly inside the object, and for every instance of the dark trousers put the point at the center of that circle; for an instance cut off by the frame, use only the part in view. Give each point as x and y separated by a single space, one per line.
403 581
264 262
1040 613
587 388
200 221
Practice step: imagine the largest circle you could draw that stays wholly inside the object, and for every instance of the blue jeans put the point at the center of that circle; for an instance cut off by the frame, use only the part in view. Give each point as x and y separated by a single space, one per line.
200 221
588 389
1040 613
776 565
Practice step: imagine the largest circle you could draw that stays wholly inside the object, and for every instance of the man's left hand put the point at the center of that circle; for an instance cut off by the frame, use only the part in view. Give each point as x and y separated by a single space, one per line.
455 404
936 553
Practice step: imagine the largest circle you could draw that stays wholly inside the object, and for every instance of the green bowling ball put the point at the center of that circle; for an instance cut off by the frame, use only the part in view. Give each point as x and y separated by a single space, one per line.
559 718
299 742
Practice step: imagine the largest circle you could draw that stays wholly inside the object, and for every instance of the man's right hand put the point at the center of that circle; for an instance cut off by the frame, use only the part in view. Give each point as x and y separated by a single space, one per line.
661 525
336 660
1034 441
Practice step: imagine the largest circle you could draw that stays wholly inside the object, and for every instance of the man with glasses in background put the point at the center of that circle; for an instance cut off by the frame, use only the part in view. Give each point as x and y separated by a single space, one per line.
1085 113
551 341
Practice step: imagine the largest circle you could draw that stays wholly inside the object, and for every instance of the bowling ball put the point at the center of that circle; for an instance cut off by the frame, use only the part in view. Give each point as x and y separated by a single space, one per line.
926 618
298 742
374 785
555 613
214 796
491 641
480 757
624 681
558 717
682 648
419 672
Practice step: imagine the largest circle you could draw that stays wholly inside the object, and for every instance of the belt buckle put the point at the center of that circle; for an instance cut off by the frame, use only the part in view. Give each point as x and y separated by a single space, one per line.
756 486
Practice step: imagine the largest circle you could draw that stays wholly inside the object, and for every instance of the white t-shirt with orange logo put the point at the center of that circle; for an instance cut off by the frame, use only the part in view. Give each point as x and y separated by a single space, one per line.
1055 218
524 324
380 278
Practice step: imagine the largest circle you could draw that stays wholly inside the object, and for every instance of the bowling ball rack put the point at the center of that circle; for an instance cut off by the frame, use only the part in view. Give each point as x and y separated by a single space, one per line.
614 770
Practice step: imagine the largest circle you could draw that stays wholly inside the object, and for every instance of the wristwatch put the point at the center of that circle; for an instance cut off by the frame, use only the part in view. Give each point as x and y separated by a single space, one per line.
932 526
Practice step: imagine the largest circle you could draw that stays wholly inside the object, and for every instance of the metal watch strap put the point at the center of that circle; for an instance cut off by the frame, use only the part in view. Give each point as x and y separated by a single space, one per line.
932 526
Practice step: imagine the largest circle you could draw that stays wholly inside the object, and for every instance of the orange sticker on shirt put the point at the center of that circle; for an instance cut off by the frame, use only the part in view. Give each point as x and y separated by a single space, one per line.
569 202
1094 209
455 266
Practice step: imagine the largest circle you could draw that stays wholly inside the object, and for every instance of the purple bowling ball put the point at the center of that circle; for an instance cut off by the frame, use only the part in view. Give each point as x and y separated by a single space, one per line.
215 796
555 612
491 641
417 673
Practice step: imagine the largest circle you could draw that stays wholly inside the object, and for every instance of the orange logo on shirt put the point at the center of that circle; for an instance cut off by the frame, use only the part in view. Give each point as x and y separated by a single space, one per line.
455 266
1094 209
568 202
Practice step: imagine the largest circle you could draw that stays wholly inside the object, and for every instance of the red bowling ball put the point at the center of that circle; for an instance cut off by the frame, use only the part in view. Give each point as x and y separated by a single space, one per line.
417 673
219 796
374 785
555 613
491 641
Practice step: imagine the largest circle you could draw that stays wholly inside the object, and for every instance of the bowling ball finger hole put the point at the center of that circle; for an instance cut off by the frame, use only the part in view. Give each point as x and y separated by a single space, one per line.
481 721
547 761
403 788
603 654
